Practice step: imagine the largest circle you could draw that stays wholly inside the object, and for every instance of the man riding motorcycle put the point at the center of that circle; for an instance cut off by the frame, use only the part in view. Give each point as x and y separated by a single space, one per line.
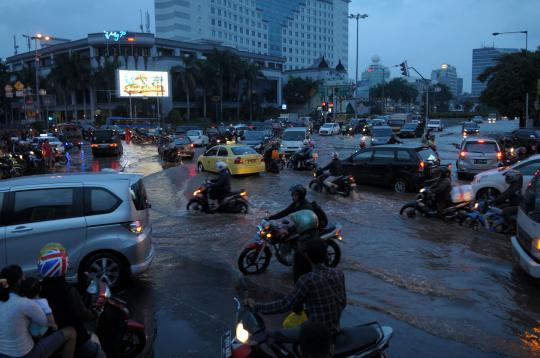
442 190
509 200
220 186
302 155
335 171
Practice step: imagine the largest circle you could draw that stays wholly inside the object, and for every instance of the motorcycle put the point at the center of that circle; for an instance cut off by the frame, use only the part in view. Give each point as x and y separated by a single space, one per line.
234 202
276 238
119 335
9 167
303 164
425 204
60 157
511 156
252 338
487 216
345 184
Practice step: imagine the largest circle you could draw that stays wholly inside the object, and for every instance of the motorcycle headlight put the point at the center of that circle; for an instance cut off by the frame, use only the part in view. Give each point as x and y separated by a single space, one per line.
422 190
241 333
32 152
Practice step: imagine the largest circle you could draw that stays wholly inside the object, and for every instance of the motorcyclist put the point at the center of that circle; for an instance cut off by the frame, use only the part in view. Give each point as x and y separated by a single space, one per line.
394 140
298 195
221 186
66 303
302 155
509 200
271 156
334 171
442 190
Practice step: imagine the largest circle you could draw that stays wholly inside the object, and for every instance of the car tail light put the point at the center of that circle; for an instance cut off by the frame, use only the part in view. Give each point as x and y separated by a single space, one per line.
238 160
135 226
351 179
422 166
94 145
462 154
113 145
499 155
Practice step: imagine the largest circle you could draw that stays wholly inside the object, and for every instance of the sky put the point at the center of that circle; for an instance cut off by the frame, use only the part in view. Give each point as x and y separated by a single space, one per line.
426 33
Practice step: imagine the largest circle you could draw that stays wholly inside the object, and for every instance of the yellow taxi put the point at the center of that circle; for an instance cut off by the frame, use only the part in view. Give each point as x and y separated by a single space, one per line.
241 159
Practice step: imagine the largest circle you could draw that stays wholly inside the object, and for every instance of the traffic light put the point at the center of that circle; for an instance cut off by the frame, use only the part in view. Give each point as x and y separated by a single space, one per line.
404 69
323 105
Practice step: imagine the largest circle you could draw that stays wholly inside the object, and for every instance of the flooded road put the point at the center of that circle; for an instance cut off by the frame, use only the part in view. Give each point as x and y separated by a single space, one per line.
447 290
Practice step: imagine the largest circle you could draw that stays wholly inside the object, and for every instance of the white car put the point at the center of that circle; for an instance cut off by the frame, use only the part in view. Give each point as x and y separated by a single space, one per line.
491 183
329 129
197 137
435 124
53 141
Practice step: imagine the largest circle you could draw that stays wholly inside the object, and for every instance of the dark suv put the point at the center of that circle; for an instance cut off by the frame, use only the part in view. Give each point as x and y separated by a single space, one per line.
522 137
106 141
401 167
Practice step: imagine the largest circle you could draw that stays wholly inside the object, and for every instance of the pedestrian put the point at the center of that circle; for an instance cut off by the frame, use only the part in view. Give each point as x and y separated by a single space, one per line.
47 153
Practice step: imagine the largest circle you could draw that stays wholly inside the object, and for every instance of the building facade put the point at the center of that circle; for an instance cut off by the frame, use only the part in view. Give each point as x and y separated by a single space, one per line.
447 75
483 58
140 51
301 31
375 74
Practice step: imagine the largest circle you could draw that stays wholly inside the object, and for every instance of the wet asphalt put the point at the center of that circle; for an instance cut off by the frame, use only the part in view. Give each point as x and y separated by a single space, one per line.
446 290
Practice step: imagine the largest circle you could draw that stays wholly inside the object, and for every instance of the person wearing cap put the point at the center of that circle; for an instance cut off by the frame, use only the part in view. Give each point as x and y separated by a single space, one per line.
67 305
334 170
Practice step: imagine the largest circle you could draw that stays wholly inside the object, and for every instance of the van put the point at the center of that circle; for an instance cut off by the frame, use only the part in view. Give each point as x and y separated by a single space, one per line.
102 219
293 139
526 242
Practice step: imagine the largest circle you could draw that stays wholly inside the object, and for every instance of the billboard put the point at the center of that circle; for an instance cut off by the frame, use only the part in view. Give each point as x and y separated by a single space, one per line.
142 83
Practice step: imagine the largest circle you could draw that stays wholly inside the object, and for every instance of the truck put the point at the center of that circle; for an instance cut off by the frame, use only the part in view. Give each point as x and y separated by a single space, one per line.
288 117
397 120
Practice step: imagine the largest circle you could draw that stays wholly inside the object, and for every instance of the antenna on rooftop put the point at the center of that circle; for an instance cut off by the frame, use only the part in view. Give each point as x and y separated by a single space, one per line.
15 46
147 21
141 25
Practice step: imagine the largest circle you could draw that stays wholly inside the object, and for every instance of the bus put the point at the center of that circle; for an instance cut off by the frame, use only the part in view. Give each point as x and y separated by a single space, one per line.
123 122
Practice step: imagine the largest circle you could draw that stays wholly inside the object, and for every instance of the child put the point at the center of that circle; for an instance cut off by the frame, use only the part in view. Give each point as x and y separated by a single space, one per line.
31 288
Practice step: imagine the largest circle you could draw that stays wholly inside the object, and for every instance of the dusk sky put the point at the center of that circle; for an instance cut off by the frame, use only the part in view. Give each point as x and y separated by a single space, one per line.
426 33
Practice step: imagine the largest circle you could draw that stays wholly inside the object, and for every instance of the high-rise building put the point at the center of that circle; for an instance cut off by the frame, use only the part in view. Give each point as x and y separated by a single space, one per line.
459 86
483 58
375 74
302 31
447 75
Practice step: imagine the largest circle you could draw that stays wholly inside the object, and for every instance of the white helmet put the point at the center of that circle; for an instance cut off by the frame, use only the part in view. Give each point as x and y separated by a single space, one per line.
335 155
221 165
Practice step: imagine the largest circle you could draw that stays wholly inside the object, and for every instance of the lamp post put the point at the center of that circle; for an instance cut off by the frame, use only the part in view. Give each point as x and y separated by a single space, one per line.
357 17
37 37
528 123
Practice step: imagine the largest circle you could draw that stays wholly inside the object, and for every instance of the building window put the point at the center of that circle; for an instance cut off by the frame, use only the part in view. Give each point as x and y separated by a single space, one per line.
213 21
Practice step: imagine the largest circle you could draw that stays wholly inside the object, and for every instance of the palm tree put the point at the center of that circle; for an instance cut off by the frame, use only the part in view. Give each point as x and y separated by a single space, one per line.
206 79
186 77
60 78
252 72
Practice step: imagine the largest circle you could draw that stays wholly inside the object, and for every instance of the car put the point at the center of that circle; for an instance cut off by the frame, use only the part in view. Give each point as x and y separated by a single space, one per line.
53 141
173 147
477 155
182 130
106 141
492 118
377 122
70 132
358 126
522 137
117 129
399 166
197 137
293 139
254 139
489 184
240 129
380 135
241 159
526 242
470 128
435 124
266 128
396 124
329 129
102 219
410 130
477 119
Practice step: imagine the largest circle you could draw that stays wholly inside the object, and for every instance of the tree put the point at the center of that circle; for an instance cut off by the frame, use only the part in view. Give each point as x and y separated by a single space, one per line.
252 72
397 90
186 77
206 79
104 79
440 96
300 90
509 80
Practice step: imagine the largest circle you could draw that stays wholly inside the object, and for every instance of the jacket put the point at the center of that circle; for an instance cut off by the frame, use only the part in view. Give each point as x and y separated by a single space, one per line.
512 195
442 190
222 184
295 206
334 167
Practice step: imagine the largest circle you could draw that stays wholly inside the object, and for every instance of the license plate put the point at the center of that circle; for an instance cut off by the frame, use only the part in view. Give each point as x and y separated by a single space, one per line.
226 345
252 161
353 185
480 161
103 145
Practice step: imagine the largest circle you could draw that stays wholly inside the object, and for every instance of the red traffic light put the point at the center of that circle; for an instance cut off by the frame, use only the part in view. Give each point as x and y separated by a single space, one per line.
323 104
331 104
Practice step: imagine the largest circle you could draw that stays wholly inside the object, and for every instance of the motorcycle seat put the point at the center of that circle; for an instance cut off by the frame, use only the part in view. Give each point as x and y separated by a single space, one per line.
352 340
287 335
327 230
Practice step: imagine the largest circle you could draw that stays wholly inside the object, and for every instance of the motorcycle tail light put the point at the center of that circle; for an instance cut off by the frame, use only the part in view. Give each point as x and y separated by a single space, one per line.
244 194
351 179
499 155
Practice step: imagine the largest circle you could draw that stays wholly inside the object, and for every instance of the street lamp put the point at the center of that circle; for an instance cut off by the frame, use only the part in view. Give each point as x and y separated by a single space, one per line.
38 37
526 33
357 17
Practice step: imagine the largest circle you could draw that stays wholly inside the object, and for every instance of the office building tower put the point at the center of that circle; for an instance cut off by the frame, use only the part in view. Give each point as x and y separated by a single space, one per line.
483 58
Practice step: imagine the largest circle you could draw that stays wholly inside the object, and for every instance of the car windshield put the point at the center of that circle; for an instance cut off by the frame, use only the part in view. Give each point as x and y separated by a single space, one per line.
294 135
382 132
253 135
427 155
470 125
409 126
103 134
181 141
328 125
477 147
193 133
396 122
434 122
243 150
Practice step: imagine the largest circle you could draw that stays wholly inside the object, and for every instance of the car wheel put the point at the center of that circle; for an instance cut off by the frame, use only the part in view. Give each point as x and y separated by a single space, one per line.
487 194
106 266
200 167
400 185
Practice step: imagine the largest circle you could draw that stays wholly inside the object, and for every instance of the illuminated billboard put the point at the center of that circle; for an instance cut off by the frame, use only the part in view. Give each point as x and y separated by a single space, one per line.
142 83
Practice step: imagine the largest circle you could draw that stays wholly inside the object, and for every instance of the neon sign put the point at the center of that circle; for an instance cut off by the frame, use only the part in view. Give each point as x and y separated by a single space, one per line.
115 35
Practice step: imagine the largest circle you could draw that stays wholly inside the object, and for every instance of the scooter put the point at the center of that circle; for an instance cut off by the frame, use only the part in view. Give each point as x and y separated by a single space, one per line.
425 204
303 164
345 184
251 338
119 335
487 216
234 202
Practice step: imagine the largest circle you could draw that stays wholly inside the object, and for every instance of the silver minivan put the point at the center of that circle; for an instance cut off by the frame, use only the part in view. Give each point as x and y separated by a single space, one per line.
102 219
477 155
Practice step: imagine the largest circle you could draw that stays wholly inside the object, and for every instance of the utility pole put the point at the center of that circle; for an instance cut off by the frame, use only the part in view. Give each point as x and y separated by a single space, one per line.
357 17
405 71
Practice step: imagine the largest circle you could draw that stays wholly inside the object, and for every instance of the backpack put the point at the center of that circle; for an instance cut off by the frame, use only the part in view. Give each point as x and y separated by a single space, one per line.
321 215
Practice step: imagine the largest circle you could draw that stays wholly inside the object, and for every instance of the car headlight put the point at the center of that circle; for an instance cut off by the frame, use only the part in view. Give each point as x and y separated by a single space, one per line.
241 333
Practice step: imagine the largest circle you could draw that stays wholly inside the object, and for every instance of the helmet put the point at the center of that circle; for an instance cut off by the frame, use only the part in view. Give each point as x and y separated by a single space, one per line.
335 155
512 176
221 165
52 260
306 143
445 172
299 190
